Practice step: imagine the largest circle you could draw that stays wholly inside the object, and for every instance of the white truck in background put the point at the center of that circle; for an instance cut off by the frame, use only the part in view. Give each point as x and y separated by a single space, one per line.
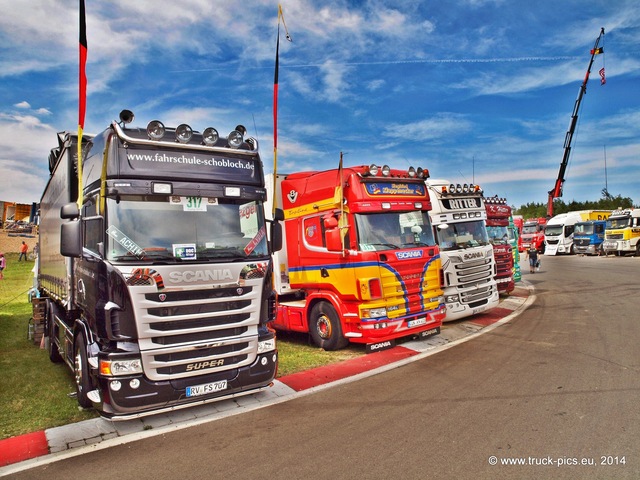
558 233
458 216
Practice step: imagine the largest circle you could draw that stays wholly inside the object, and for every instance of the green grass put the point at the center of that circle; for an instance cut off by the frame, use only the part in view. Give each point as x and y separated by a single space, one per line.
34 392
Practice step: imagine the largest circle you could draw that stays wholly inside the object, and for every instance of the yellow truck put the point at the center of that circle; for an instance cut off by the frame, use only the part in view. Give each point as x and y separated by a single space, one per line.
622 234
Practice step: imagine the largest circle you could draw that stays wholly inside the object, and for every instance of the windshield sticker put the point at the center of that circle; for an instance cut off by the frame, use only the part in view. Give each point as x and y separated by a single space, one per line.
195 204
125 241
255 241
186 251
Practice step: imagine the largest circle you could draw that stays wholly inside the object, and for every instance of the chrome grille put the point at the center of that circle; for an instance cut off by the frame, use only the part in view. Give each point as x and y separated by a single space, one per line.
196 330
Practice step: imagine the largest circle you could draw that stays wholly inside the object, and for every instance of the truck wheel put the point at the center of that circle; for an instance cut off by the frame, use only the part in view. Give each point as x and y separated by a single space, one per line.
54 352
81 371
325 328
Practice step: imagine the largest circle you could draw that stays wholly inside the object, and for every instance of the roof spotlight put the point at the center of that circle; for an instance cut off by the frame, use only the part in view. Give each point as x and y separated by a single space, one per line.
373 169
126 116
235 138
241 129
210 136
411 172
155 130
386 170
184 133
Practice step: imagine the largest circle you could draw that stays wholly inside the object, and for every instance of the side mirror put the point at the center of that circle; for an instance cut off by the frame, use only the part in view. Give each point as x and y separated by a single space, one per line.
276 236
333 240
71 239
332 237
69 211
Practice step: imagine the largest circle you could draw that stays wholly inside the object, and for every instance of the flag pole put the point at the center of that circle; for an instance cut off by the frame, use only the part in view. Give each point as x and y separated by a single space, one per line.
275 100
82 95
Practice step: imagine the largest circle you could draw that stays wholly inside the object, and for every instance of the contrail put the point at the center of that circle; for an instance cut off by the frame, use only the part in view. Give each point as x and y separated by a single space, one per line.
401 62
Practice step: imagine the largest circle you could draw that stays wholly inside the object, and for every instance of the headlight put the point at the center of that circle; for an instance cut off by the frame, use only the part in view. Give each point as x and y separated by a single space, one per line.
266 345
374 312
131 366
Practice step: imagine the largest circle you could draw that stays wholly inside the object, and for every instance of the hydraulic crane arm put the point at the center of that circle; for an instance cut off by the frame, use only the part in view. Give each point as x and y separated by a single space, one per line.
557 189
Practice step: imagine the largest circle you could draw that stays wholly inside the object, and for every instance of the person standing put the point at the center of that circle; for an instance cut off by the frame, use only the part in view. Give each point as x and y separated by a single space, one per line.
3 264
532 254
23 251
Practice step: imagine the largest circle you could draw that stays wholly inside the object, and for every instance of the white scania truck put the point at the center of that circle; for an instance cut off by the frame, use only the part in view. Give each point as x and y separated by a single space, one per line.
157 283
458 216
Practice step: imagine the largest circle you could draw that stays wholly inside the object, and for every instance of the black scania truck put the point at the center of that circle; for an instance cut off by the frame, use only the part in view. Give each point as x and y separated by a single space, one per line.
156 281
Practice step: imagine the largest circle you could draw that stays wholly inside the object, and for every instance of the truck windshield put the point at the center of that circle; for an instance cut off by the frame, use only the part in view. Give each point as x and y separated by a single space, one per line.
553 230
583 229
530 228
393 230
460 235
618 222
498 235
153 228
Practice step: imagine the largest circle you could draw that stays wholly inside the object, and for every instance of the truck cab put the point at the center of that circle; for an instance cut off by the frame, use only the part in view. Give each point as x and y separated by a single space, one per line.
468 262
622 234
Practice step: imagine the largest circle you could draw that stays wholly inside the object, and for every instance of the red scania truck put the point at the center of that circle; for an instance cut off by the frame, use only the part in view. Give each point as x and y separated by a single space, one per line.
361 264
158 288
498 214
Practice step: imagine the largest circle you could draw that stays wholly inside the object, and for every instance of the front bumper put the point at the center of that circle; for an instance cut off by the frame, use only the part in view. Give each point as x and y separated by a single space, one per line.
151 398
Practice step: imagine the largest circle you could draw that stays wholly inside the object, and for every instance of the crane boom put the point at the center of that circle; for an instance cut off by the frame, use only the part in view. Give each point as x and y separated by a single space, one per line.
557 189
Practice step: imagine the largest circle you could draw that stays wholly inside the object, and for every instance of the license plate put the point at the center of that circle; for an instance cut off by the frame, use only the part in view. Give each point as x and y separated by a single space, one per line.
417 322
206 388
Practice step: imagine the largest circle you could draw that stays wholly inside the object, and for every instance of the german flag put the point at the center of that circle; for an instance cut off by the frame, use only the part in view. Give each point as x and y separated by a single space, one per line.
597 51
82 95
82 105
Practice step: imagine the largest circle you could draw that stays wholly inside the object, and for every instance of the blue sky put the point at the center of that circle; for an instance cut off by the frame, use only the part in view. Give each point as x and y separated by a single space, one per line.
474 90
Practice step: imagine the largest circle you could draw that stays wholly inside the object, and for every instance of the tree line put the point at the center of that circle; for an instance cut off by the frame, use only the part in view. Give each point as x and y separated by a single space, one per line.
607 202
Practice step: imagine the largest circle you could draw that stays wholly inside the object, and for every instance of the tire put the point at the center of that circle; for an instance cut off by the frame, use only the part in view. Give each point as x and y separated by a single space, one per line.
54 352
81 372
325 328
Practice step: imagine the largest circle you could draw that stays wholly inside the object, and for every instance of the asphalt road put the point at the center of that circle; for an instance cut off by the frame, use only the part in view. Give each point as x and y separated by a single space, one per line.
552 394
